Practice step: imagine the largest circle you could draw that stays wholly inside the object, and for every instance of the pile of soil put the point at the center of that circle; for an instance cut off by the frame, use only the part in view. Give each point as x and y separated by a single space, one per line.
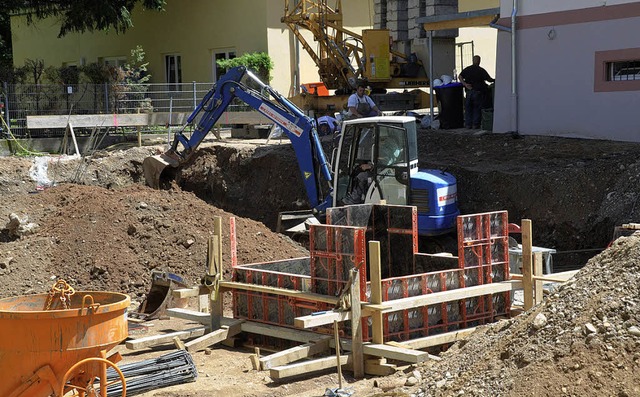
582 340
99 238
92 222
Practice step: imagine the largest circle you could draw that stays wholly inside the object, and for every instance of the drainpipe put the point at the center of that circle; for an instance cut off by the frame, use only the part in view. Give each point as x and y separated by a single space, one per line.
514 91
431 76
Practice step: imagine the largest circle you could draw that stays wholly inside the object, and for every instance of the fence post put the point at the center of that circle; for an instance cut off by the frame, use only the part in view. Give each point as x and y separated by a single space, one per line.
195 94
7 119
106 97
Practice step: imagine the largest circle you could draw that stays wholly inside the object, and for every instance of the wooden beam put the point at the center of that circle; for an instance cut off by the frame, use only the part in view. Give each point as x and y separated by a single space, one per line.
446 296
378 368
321 318
482 20
395 353
134 120
356 326
213 337
279 332
527 267
163 339
538 291
190 292
279 291
377 330
295 353
307 367
440 339
190 315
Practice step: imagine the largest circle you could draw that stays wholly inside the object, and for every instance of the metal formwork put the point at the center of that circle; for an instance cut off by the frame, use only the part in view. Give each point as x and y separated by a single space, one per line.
340 246
394 226
291 274
335 250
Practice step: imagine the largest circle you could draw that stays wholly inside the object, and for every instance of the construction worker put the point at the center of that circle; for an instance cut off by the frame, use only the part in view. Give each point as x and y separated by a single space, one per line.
474 79
361 105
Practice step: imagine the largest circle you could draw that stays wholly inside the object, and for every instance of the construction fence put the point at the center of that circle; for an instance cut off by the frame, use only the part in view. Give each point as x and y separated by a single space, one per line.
17 101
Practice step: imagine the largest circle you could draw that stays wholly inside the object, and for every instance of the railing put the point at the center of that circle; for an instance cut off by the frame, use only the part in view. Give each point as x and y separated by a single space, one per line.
22 100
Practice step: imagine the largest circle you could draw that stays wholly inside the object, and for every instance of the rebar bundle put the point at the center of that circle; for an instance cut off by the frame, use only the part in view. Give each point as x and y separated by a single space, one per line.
167 370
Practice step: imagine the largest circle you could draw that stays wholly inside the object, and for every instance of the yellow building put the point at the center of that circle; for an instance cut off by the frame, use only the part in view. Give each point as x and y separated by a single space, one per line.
182 43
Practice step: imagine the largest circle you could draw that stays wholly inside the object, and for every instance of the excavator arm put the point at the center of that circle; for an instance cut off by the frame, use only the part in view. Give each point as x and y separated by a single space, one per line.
300 129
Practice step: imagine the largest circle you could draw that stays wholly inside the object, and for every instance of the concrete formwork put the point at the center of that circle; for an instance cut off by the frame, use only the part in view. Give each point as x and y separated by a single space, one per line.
339 246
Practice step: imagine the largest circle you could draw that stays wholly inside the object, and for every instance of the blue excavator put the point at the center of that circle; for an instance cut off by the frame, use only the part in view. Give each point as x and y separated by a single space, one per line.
386 144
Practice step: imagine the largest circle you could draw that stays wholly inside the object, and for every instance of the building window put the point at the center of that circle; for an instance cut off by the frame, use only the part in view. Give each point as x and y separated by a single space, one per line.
220 55
617 70
623 71
173 70
114 62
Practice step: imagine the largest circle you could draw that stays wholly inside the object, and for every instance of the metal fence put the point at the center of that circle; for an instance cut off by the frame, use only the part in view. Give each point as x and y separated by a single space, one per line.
22 100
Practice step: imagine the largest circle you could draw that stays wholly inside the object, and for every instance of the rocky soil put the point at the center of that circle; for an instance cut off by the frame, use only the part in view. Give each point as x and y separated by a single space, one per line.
92 222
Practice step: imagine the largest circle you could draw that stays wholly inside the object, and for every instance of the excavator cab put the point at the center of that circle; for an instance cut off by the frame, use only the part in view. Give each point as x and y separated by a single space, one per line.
384 143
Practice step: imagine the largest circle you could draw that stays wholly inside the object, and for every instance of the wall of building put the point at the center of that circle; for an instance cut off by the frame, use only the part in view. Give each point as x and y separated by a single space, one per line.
556 77
195 32
547 6
475 5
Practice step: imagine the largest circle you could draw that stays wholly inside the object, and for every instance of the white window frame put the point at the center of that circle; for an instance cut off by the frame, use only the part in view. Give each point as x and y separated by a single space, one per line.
221 53
115 62
173 77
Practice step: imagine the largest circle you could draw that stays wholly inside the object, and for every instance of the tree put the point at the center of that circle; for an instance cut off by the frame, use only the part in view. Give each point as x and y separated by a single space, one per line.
82 15
74 15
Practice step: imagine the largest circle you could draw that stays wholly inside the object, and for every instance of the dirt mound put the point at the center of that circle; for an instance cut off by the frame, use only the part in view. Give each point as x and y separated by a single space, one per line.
582 340
111 239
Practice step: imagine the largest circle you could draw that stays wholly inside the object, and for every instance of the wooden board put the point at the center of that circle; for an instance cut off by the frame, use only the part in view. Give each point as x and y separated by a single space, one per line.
163 339
133 120
395 353
307 367
295 353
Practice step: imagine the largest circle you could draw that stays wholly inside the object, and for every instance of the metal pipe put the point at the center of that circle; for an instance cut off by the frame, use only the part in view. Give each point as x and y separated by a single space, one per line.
431 75
514 88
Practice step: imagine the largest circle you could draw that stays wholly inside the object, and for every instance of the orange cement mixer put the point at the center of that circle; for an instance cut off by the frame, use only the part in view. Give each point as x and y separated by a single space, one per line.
60 349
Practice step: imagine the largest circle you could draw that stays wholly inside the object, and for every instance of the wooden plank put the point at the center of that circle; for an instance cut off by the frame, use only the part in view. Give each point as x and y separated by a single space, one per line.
156 340
321 318
279 291
395 353
447 296
279 332
307 367
134 120
379 367
88 120
440 339
537 272
356 326
213 337
190 292
295 353
377 331
191 315
480 20
527 268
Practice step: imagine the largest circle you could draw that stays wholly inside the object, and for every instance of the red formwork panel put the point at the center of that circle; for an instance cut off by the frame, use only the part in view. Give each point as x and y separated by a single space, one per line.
335 250
274 309
482 258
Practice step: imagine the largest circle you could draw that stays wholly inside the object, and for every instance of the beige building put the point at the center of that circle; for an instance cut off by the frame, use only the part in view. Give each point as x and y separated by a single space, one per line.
182 43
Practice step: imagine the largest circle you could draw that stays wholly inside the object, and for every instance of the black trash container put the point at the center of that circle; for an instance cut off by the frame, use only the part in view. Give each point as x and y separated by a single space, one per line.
451 105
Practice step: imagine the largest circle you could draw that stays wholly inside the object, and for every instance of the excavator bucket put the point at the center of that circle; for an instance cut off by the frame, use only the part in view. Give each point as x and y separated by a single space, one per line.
154 166
160 296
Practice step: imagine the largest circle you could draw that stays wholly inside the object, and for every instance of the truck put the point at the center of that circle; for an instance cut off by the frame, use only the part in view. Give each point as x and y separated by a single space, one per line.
387 143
